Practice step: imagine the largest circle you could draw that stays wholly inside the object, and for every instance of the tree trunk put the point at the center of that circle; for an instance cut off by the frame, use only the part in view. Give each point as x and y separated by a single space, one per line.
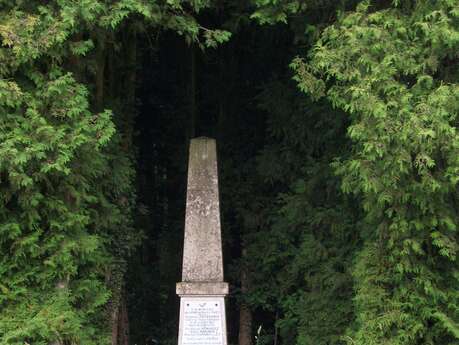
245 325
114 321
123 331
61 285
245 314
74 63
116 287
111 74
276 329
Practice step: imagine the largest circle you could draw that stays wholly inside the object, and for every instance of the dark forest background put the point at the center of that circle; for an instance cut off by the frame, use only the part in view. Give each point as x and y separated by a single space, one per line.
336 127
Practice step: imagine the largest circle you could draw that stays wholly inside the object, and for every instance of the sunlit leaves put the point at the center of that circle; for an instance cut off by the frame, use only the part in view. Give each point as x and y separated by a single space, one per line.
66 187
273 11
388 70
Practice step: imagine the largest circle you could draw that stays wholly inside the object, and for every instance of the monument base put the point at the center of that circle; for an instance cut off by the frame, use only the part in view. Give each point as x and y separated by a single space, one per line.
202 320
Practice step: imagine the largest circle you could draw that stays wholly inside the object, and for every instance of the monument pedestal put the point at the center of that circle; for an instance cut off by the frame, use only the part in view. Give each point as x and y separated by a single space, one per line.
202 290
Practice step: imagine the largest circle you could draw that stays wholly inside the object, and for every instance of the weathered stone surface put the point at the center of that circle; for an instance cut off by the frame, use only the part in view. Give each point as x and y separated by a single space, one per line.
202 288
202 253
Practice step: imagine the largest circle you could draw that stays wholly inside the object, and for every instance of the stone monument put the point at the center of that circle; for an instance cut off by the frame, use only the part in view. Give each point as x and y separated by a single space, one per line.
202 290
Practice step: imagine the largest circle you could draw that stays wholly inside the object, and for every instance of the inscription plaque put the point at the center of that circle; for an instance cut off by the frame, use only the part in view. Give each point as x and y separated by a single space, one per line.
203 321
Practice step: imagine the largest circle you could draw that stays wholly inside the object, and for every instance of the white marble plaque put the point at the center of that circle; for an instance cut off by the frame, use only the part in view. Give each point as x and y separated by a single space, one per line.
202 321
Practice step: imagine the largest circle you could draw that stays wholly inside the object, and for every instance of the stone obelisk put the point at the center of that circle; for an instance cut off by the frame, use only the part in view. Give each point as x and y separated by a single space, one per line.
202 290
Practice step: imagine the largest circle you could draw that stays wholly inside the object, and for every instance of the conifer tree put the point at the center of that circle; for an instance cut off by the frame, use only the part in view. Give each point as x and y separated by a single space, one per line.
66 182
301 248
391 69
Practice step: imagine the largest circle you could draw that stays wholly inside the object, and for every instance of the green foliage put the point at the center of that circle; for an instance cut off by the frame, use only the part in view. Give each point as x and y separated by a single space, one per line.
346 239
272 11
389 69
66 171
214 38
51 157
301 237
